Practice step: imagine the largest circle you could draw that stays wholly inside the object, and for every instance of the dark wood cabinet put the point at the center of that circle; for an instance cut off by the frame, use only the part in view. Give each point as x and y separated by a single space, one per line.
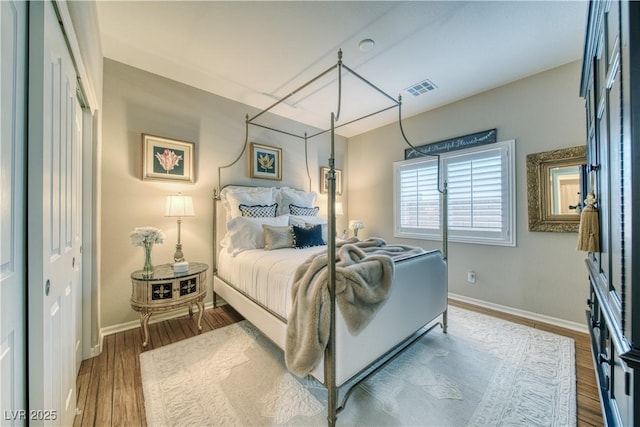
611 89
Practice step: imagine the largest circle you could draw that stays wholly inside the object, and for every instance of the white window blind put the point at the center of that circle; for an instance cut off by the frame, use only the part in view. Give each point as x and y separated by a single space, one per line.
481 199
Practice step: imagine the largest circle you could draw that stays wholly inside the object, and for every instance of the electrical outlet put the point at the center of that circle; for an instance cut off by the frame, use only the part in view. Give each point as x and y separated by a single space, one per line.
471 277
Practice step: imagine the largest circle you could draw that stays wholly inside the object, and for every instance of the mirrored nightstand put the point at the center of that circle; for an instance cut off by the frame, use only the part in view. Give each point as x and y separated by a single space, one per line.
166 290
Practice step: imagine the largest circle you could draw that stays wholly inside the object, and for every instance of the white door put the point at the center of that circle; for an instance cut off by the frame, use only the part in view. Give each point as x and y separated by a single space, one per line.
13 36
54 218
77 236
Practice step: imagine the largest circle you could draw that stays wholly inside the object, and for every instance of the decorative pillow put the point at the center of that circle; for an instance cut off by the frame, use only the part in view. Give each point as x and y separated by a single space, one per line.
233 197
325 230
258 211
245 233
307 237
277 237
286 196
301 210
309 221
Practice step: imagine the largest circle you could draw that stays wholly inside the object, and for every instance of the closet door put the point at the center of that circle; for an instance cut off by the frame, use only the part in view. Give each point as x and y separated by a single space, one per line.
54 218
13 36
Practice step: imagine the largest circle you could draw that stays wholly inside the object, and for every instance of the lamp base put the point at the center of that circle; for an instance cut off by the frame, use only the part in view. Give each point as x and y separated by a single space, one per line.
178 256
181 267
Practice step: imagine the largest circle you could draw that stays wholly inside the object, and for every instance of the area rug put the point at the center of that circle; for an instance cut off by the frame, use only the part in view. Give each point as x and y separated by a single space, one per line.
483 372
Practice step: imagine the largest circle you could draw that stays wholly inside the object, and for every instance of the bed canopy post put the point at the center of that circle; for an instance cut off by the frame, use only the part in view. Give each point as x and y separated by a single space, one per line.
216 197
330 375
442 186
445 219
330 350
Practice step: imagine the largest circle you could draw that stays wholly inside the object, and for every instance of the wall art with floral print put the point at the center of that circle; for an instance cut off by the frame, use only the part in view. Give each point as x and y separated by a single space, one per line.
266 162
167 159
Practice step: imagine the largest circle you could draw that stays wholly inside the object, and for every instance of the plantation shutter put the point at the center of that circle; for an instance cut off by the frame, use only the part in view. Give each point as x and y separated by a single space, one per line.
480 184
477 196
419 201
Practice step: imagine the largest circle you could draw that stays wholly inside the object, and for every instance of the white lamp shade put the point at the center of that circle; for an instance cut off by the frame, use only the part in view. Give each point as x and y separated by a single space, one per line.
179 206
356 224
339 210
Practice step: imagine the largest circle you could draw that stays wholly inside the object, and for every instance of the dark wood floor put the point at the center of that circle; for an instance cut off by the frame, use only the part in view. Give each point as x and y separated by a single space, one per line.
110 387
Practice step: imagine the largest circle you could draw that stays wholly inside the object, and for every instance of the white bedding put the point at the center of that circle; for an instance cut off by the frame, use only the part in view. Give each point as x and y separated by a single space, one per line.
265 276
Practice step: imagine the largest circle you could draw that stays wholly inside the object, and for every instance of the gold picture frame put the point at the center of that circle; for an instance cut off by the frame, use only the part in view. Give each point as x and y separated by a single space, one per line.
167 159
324 181
266 162
543 213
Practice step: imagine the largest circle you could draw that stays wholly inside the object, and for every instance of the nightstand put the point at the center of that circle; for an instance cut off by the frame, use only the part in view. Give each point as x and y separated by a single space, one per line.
166 290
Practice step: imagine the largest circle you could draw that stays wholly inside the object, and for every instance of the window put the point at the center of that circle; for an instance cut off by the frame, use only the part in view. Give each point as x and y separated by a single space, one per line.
481 195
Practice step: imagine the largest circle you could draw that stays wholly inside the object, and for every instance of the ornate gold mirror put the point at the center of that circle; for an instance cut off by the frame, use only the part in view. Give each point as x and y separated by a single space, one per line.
554 180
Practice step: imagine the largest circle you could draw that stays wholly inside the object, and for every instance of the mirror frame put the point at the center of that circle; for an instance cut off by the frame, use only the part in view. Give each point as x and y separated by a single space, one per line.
538 197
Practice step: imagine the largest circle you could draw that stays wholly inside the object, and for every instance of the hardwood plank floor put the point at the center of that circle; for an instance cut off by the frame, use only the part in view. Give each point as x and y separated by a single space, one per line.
110 385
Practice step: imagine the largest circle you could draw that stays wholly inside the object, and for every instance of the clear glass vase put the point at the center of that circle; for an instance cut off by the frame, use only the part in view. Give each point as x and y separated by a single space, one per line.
147 270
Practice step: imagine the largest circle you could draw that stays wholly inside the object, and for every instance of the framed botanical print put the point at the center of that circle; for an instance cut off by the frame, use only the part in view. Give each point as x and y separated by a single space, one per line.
266 162
167 159
324 180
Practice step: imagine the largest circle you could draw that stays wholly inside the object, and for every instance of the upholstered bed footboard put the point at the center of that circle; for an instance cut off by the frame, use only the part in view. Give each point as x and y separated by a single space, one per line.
417 297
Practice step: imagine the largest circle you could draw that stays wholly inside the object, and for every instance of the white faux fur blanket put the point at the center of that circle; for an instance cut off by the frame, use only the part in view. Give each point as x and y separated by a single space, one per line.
364 272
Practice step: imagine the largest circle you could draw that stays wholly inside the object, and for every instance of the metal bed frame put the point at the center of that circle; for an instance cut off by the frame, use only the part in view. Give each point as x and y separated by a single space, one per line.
333 390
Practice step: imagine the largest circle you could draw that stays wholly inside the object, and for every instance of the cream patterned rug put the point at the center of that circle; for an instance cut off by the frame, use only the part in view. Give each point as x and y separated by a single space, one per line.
484 372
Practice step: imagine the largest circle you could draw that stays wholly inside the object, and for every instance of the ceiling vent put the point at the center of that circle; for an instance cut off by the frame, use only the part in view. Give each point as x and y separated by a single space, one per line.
421 87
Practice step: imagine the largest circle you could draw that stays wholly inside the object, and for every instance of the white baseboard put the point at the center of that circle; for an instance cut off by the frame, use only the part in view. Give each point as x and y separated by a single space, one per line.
578 327
158 317
93 351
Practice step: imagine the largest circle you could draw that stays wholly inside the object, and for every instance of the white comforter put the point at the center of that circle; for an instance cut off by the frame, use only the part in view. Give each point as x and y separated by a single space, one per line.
266 276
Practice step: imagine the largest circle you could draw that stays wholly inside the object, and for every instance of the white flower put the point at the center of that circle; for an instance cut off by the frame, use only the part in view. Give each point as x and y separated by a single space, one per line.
141 235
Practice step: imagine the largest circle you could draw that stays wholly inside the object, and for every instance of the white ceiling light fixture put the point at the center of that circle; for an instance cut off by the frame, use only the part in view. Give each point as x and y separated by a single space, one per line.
366 45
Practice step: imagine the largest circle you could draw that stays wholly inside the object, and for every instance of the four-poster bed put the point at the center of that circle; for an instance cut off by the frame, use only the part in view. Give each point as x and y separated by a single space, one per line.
416 298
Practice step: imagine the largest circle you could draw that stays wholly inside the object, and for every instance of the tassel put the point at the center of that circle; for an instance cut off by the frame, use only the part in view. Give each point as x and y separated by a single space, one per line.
589 229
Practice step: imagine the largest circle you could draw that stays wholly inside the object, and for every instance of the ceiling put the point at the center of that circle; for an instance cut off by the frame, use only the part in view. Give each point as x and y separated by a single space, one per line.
259 52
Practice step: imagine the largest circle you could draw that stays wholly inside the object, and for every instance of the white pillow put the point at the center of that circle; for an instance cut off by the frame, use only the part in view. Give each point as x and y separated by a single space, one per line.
245 233
232 197
288 196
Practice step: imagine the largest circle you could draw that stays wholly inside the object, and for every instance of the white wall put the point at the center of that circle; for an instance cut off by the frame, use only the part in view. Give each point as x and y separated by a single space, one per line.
136 102
544 274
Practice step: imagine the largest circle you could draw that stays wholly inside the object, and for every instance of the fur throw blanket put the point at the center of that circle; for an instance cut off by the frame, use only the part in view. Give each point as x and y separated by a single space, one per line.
364 272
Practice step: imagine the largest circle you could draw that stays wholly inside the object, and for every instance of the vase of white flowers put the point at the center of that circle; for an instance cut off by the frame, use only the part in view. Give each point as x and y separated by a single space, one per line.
146 237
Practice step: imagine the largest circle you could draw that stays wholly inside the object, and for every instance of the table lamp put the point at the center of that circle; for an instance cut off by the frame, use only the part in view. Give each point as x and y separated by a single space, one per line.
179 206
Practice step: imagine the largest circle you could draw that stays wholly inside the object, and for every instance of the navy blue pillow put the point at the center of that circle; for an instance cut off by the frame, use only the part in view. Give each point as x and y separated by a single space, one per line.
307 237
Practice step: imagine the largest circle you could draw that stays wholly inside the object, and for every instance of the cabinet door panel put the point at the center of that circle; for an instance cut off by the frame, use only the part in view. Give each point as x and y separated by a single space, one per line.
161 291
188 286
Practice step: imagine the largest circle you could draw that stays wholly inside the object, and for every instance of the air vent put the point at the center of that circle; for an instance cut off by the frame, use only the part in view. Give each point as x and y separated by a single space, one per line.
421 87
